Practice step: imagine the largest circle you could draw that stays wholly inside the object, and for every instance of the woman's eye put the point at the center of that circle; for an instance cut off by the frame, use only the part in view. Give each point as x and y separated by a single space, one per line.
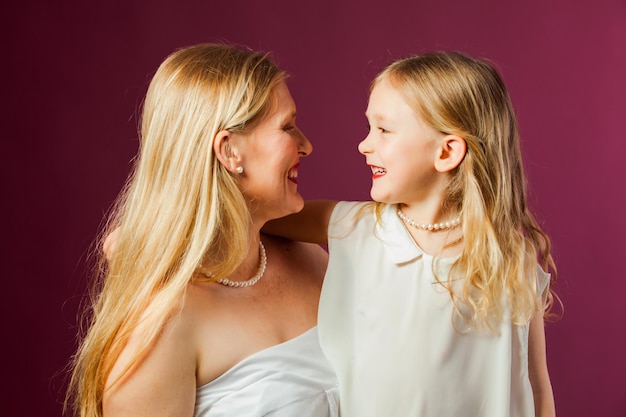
288 128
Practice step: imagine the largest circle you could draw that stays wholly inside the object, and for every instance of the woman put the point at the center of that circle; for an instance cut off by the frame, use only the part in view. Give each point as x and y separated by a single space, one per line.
198 314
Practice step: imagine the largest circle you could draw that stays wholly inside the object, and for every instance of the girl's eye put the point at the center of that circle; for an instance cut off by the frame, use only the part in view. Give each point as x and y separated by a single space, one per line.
380 129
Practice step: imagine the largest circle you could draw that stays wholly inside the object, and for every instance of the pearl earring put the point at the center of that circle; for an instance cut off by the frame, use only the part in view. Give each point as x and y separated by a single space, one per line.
239 170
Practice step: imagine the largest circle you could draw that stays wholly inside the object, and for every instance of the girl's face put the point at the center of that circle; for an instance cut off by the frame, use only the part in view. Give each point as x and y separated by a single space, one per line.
270 158
400 148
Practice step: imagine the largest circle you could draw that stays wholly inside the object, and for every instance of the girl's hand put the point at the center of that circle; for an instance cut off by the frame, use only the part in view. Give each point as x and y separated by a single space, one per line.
110 244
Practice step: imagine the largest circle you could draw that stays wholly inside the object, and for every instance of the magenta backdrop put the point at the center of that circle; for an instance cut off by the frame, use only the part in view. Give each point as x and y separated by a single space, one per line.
77 72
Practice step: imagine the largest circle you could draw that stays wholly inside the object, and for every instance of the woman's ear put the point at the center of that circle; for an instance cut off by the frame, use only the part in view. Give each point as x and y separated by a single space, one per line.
451 153
225 151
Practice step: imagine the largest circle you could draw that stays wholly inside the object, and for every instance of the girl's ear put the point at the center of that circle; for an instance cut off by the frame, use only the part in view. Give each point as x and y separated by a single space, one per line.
451 153
225 151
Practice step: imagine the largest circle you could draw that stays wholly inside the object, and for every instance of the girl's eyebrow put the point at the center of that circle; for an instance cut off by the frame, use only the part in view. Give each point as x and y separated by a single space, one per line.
376 117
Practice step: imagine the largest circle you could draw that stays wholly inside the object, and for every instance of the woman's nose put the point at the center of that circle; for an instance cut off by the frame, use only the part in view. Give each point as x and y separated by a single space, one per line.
304 145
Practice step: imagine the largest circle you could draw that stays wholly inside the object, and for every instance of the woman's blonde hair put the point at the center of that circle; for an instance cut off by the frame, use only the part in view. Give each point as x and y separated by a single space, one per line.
462 96
180 208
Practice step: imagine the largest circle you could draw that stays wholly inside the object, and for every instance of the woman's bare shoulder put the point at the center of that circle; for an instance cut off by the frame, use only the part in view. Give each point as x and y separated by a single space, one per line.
159 376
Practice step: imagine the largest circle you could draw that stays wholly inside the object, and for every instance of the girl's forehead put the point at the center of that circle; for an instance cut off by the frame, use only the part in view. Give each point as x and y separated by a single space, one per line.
385 99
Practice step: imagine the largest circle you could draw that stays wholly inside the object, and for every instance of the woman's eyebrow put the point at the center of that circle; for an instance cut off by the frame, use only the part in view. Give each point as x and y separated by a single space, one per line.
289 117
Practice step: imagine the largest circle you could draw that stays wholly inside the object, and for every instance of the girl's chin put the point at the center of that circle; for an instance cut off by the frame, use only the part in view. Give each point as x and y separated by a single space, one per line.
379 197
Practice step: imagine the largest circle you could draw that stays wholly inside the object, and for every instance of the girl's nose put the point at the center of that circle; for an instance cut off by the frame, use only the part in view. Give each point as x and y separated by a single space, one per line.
364 145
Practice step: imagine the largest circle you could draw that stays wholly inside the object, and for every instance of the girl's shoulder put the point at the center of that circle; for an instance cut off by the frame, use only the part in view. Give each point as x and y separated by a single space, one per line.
354 210
348 214
542 280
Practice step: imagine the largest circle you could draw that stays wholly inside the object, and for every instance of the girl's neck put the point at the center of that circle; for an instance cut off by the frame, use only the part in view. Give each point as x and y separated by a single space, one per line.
427 213
442 235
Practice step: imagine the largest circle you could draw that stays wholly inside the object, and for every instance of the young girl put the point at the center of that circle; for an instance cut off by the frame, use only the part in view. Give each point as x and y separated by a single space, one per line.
433 301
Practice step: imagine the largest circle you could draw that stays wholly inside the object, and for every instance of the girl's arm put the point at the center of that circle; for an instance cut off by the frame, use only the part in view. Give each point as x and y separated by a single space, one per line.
309 225
538 368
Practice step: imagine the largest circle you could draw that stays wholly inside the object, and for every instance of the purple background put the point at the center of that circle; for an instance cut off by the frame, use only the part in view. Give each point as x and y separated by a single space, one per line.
75 73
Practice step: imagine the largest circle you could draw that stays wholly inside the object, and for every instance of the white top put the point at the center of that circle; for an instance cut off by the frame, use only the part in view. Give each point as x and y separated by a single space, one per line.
386 327
286 380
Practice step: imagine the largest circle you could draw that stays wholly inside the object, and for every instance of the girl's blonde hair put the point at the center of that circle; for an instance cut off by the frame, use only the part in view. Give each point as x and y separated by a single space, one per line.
180 208
462 96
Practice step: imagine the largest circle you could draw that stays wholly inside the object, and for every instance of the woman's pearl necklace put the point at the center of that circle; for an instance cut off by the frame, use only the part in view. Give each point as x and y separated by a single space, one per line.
254 279
430 227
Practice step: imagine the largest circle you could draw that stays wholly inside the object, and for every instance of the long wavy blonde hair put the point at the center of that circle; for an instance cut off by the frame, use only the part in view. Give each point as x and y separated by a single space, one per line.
180 208
456 94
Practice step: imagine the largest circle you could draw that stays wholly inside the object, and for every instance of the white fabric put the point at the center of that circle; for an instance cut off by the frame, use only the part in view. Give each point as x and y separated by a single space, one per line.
386 328
286 380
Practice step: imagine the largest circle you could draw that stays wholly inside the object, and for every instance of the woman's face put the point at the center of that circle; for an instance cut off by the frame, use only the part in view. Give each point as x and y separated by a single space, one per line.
270 156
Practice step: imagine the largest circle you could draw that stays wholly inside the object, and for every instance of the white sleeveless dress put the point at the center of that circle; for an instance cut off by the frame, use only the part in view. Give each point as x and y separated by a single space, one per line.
386 326
290 379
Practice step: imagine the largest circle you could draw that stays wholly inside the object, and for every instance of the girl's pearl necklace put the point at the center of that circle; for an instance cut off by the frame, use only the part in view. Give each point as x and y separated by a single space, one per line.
254 279
430 227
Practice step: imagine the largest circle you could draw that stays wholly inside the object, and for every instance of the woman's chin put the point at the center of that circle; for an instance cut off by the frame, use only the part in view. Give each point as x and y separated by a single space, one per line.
296 204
